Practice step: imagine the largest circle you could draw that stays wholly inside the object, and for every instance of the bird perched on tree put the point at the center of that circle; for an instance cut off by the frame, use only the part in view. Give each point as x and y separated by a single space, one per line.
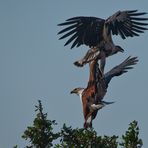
92 96
97 32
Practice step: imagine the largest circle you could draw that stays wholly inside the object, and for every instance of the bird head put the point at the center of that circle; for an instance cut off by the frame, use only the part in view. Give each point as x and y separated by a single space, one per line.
77 91
119 49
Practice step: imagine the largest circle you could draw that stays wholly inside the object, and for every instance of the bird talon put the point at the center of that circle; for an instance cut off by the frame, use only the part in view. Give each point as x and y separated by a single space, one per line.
78 63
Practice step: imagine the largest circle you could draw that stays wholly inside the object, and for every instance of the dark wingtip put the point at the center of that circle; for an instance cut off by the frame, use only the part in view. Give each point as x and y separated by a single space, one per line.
108 103
134 60
73 18
60 24
132 11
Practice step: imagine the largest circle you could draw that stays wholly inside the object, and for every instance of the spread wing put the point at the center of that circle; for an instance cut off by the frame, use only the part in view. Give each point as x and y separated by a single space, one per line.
82 30
121 68
126 23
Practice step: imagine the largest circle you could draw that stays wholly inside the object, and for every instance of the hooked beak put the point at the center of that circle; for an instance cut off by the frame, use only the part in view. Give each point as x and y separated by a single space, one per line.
72 92
121 50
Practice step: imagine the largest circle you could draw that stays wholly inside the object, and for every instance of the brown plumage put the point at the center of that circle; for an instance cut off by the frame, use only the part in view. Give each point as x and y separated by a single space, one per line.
92 96
89 93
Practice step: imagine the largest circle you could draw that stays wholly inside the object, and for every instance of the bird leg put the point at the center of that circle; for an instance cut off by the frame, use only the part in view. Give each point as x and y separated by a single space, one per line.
91 55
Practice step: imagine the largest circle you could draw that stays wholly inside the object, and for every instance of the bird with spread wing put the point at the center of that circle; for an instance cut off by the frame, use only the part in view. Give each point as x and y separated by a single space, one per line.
92 96
97 33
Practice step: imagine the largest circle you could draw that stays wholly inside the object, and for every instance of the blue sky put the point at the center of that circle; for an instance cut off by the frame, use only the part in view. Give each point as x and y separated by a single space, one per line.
35 65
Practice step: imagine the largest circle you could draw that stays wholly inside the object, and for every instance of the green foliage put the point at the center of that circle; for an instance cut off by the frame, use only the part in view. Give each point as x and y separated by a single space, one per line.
41 135
80 138
130 139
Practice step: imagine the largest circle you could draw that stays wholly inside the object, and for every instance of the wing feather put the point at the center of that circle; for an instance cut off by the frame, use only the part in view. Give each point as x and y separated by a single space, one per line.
126 23
83 30
122 68
68 28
